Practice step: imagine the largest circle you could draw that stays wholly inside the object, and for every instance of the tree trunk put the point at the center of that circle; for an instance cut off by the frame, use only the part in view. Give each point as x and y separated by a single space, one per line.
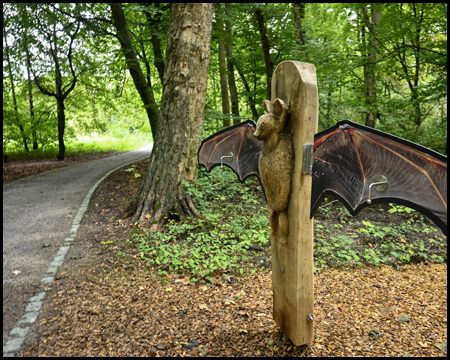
299 12
61 129
30 101
369 64
13 91
417 117
266 50
230 67
405 61
251 100
173 159
156 43
143 88
157 53
223 69
30 92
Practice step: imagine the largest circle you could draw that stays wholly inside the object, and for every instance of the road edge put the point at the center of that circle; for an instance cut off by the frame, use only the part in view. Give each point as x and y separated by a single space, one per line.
21 329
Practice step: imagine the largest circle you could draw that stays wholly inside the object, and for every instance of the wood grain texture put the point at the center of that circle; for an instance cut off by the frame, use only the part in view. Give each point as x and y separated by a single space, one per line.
292 263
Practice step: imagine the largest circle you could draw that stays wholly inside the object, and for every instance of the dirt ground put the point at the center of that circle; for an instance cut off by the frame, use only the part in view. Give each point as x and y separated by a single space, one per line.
105 302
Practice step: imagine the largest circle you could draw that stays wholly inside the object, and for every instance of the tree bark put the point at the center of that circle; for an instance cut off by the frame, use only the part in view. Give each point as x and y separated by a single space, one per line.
156 43
61 129
369 64
299 12
230 67
145 91
30 91
13 91
251 100
173 160
223 69
266 50
417 115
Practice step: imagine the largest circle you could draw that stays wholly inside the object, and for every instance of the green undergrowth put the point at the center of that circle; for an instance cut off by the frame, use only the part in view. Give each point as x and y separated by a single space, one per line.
233 235
403 236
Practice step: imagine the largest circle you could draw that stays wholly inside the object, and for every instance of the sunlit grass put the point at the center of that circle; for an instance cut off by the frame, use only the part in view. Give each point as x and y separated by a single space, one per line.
84 145
109 143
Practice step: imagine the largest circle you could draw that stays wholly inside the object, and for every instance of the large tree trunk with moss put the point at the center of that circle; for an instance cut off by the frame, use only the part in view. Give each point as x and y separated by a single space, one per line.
173 159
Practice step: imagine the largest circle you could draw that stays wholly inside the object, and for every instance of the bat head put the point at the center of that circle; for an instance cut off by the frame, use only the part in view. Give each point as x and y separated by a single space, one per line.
273 122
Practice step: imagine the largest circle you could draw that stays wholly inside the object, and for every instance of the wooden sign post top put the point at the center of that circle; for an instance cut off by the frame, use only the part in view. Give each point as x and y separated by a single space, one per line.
292 261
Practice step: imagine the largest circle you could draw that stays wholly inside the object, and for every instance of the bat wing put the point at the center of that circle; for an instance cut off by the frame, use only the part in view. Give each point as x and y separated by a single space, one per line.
348 157
235 147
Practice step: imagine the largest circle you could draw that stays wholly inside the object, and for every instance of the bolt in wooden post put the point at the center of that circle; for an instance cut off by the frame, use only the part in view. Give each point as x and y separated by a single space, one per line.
292 262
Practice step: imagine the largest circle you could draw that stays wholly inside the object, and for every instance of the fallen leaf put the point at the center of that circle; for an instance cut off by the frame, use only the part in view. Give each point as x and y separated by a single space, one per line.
441 346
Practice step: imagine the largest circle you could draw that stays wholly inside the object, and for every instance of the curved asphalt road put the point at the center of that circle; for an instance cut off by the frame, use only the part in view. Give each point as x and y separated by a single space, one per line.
38 213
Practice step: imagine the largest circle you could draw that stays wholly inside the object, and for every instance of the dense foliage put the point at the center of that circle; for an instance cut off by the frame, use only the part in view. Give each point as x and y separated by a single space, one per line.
233 235
388 61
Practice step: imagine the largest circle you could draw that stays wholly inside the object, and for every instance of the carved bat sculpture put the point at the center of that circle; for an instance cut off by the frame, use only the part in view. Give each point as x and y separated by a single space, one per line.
356 164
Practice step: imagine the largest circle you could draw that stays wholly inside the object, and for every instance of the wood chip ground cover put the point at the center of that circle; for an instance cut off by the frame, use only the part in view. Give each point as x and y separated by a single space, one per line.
105 304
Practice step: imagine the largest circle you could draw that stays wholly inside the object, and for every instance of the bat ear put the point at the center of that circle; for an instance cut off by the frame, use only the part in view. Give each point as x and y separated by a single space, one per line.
268 106
280 108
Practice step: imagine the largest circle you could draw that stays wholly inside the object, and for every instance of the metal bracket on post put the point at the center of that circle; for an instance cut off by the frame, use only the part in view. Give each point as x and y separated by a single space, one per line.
229 157
307 159
380 183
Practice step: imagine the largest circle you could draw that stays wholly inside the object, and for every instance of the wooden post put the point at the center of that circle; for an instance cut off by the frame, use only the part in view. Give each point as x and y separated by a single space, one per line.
292 262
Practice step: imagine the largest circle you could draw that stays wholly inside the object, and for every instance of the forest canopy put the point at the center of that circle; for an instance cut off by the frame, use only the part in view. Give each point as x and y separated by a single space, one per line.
384 65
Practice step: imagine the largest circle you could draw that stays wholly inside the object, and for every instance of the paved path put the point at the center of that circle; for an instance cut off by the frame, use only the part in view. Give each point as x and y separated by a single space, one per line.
40 214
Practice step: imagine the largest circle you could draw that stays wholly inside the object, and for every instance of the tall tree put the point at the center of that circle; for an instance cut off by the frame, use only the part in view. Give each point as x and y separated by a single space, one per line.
414 49
142 85
371 24
299 13
230 66
266 50
222 67
33 124
173 160
30 95
57 45
154 19
250 97
13 88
